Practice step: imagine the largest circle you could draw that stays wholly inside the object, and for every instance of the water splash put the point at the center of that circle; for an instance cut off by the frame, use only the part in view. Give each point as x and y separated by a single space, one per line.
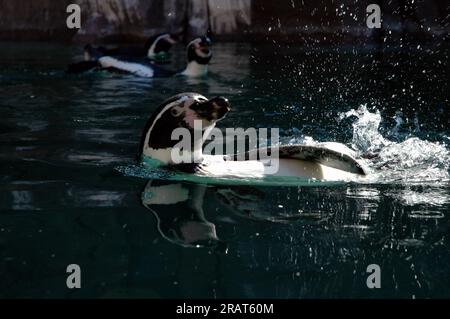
412 160
366 137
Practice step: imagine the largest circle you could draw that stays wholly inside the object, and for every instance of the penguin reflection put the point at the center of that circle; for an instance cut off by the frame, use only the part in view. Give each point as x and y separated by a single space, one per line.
178 208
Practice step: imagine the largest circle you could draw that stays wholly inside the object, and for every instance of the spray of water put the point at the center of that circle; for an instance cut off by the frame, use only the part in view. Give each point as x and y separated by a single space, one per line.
411 161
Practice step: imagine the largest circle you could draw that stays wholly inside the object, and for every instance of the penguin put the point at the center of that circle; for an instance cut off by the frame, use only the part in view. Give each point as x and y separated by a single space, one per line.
326 161
156 50
198 56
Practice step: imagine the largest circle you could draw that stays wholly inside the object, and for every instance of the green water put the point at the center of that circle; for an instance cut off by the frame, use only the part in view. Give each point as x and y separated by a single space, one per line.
71 192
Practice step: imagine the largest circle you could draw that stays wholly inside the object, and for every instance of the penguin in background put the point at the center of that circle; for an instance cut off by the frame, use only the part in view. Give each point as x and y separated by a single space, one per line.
156 49
198 55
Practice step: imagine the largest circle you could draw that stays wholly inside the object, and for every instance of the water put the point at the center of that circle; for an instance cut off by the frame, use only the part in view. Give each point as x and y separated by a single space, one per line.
71 191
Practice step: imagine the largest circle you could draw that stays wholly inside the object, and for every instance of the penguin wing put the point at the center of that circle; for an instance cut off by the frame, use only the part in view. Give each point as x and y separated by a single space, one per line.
137 66
314 153
140 67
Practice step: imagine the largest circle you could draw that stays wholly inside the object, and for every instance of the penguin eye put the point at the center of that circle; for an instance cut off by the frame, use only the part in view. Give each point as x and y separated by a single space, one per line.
176 111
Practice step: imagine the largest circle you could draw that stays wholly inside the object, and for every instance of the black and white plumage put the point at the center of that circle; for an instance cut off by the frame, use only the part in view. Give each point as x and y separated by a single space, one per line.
180 111
156 48
326 161
198 56
141 67
155 51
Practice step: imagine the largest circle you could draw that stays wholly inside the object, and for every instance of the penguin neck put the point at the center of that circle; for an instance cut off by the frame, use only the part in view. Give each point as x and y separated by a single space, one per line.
195 69
151 51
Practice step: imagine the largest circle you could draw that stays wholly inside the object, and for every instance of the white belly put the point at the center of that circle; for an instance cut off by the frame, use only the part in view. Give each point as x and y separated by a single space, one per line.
215 166
134 68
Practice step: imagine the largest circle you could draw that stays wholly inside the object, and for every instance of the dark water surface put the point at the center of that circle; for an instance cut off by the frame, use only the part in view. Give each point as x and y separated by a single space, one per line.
66 198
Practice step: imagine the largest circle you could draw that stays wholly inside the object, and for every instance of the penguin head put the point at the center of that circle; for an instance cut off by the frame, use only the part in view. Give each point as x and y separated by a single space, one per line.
158 46
182 110
199 50
207 111
185 110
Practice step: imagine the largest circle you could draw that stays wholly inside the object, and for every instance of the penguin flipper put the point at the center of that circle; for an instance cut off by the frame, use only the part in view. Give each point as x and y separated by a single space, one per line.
325 156
314 153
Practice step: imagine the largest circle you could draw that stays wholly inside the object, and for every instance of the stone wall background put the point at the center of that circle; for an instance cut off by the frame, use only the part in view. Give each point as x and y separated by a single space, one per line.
250 20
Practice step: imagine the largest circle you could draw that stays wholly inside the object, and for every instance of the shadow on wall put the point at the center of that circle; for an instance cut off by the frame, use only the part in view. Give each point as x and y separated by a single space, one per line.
133 20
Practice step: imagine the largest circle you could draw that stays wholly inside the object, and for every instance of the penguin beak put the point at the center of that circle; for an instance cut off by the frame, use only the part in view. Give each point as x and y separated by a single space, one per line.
221 106
204 45
205 42
213 110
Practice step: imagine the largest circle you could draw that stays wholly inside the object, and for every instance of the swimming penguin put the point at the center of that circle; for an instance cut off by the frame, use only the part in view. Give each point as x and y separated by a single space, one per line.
327 161
156 50
198 56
